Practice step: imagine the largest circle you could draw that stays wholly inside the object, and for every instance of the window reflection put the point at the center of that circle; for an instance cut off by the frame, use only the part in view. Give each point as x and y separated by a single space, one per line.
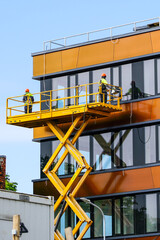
140 213
136 214
84 148
106 206
63 169
63 221
86 208
134 92
117 216
128 215
102 151
151 212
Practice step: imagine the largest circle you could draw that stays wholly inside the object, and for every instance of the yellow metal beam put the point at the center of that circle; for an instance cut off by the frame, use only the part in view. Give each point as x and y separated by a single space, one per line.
63 190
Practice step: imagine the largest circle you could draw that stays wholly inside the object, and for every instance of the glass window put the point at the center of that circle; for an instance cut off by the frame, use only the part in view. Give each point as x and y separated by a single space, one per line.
138 146
158 143
116 76
117 216
71 91
58 86
116 144
106 206
73 163
46 85
150 144
102 151
45 154
137 78
127 147
86 208
128 215
126 71
84 148
63 169
97 74
140 214
151 212
158 76
63 221
131 215
83 78
149 78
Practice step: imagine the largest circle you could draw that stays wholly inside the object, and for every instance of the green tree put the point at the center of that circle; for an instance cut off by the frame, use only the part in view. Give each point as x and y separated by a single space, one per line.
12 186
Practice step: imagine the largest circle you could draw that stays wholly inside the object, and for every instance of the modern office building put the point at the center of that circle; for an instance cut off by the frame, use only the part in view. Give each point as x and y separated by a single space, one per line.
124 149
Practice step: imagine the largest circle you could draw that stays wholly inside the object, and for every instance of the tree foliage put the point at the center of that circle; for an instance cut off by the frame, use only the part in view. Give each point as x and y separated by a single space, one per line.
12 186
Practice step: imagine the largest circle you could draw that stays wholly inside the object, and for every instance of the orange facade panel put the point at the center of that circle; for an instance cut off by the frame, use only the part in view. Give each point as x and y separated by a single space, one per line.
132 46
96 53
108 183
135 112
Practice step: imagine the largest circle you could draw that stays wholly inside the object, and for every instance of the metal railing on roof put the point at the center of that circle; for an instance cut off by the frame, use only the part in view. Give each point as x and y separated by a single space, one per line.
101 33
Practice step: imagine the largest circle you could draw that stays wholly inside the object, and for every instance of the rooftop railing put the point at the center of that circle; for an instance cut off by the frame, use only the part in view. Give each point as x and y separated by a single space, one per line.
101 33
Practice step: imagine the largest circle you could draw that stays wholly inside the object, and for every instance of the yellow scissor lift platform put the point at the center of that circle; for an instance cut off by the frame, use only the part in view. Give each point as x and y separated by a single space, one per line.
50 108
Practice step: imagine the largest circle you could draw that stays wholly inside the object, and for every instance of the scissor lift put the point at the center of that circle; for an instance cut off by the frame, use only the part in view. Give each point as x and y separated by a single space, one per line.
52 108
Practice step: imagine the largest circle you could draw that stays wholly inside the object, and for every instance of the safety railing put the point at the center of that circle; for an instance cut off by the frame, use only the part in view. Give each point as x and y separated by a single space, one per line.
101 33
64 98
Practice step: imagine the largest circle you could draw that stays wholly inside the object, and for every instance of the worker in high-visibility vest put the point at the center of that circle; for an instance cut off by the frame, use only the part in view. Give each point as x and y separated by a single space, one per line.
103 88
28 99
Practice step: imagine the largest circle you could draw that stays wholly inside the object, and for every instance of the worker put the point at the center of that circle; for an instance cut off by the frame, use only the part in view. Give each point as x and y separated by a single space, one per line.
134 91
28 99
103 90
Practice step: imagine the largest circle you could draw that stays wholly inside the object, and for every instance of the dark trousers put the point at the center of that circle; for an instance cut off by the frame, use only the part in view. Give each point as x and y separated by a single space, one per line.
28 109
104 91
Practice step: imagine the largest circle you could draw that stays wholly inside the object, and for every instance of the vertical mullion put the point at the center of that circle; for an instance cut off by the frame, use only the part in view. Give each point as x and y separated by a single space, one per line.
111 76
76 79
120 76
92 217
69 102
155 76
91 151
121 149
112 149
91 86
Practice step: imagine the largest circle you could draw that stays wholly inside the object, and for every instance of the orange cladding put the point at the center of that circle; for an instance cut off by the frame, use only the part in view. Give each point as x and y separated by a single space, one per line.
140 111
97 53
109 183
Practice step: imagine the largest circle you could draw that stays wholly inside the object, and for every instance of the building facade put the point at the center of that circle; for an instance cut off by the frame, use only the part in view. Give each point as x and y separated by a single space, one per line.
124 150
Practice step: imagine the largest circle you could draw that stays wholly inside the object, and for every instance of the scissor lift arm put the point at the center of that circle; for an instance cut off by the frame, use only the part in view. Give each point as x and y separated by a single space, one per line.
52 118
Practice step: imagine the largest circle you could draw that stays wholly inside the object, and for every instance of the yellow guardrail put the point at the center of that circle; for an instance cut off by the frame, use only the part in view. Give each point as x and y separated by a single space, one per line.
63 98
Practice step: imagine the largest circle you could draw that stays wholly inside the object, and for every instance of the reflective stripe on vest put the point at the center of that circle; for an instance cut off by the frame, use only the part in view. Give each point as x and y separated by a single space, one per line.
29 98
103 81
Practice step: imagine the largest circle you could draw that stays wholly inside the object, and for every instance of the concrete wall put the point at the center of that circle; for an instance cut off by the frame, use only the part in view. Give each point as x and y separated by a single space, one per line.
35 212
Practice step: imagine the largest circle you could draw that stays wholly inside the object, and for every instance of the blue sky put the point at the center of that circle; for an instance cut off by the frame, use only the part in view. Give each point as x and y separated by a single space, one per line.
24 25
